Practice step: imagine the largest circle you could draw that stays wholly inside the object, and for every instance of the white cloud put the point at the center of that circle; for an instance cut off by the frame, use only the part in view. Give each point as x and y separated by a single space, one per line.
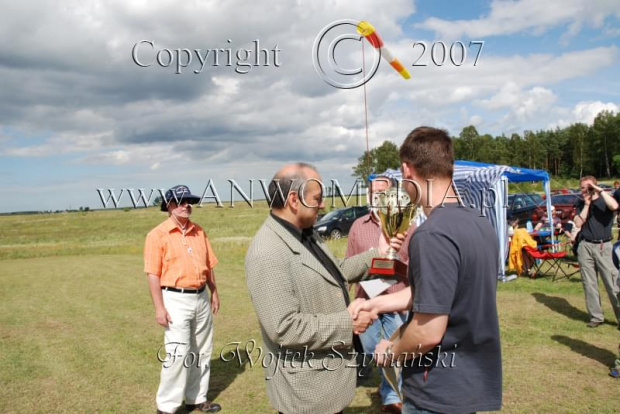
612 31
475 120
70 84
528 16
524 105
585 112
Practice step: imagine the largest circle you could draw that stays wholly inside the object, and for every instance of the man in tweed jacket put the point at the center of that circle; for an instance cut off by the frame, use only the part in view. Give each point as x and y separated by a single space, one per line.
301 300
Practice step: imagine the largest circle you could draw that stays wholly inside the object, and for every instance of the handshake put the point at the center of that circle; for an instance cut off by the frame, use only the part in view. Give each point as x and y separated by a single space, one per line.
362 315
362 312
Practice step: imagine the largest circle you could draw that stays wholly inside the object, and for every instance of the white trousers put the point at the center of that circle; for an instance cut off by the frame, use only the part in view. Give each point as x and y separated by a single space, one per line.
186 355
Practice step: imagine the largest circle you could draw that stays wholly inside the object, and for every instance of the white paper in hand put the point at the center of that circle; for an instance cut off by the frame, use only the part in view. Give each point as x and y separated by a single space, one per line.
376 286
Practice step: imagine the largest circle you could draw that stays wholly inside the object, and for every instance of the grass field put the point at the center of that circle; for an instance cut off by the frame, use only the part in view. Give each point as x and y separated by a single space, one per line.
77 329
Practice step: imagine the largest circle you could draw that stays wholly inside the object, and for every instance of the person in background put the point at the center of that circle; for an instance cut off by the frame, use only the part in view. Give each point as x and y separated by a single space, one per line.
617 197
595 217
615 370
179 262
364 234
519 261
544 225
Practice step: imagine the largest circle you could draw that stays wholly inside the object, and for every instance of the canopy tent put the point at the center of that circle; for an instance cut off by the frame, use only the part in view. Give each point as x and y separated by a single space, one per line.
484 187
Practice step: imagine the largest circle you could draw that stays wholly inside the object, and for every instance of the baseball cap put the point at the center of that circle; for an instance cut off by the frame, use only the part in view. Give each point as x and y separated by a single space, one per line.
176 194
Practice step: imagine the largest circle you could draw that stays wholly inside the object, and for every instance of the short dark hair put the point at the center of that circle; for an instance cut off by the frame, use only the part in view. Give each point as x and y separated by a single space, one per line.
289 181
429 151
587 178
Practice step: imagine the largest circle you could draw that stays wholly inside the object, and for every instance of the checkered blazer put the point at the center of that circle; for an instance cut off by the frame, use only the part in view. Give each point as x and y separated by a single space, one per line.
306 328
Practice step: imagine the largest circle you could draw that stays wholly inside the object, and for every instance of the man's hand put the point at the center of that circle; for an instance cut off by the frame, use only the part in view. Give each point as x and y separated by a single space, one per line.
356 306
162 317
395 242
382 356
363 321
596 188
215 302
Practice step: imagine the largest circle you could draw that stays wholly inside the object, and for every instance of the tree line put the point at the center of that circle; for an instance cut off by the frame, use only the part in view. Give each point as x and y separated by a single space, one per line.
569 152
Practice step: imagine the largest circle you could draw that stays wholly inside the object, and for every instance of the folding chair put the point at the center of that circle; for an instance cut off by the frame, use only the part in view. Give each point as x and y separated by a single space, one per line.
538 258
554 259
558 253
571 262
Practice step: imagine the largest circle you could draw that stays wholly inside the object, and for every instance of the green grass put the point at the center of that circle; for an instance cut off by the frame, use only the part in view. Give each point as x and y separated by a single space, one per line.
77 329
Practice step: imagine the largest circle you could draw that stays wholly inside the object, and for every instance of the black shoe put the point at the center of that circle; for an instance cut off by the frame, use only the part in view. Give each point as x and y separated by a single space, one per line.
205 407
593 324
364 368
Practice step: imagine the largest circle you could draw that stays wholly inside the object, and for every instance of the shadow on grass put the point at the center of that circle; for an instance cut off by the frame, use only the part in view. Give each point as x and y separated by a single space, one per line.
223 374
561 306
601 355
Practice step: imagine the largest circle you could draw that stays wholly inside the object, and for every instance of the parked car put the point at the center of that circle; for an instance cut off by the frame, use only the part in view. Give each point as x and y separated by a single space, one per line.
337 223
525 207
565 206
536 197
559 191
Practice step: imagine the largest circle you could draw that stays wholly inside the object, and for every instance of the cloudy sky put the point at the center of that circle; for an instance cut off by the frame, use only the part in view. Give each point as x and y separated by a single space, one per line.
77 113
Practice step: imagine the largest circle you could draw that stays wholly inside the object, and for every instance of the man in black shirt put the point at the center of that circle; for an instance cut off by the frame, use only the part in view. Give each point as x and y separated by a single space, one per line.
451 344
595 217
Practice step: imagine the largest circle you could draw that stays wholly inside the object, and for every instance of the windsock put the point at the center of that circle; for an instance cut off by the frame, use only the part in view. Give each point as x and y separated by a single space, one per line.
368 31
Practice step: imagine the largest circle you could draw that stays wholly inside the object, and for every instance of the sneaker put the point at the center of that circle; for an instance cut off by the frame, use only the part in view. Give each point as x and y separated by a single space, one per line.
594 324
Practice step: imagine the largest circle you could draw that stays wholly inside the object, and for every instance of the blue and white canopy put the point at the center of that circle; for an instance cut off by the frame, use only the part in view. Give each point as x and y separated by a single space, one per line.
485 187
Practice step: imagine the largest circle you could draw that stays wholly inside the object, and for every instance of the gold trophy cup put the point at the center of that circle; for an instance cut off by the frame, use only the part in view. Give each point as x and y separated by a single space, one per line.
396 213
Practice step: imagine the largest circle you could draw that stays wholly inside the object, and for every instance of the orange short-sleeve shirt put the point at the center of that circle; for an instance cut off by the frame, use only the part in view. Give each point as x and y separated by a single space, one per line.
181 261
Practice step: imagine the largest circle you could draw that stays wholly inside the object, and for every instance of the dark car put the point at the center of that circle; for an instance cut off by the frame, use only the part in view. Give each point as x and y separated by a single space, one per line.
565 206
536 197
526 207
337 223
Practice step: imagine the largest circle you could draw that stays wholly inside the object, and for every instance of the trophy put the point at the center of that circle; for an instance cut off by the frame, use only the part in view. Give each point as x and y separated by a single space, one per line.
396 212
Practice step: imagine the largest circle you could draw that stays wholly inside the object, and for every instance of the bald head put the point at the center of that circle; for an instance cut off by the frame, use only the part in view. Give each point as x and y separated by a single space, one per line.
290 178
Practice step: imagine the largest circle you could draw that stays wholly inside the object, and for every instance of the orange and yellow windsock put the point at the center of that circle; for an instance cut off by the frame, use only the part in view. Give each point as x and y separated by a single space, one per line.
368 31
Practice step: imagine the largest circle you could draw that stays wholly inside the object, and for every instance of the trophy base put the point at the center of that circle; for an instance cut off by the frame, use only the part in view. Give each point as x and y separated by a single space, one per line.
388 268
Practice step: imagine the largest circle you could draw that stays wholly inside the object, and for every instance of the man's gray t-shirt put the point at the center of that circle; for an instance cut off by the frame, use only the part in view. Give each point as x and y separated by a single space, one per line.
453 268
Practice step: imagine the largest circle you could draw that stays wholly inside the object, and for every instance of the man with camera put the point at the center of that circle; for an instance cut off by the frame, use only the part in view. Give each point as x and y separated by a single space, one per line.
595 217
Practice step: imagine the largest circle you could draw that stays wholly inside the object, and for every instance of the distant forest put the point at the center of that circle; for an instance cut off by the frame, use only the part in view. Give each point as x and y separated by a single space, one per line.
569 152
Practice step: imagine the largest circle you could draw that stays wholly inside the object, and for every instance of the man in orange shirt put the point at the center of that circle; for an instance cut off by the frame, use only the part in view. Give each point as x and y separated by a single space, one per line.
179 261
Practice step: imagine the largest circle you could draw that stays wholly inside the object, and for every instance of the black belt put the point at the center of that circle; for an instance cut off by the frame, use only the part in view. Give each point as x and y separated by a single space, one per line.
183 290
598 241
